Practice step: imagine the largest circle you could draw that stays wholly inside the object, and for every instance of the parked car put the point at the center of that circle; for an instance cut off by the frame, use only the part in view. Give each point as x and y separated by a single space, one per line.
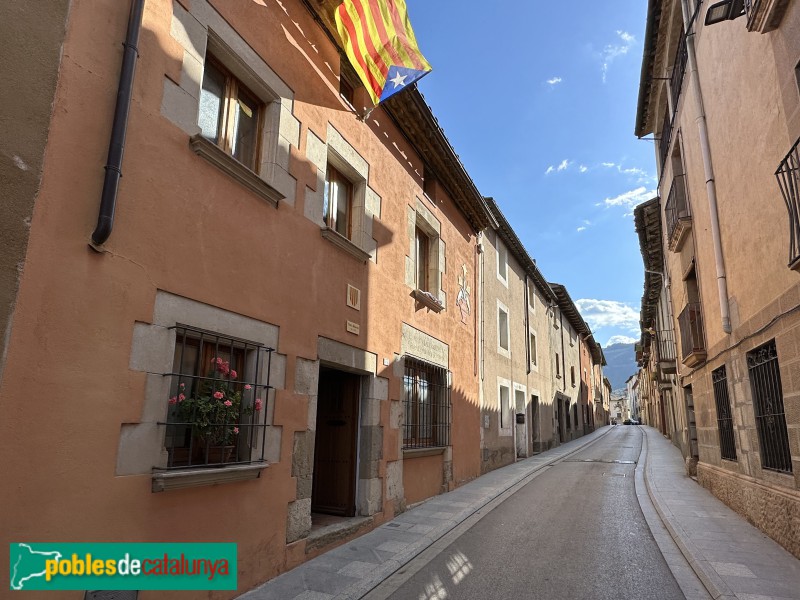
627 422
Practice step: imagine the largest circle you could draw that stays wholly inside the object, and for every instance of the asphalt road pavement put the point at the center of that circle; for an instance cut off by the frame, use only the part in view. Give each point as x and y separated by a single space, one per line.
574 531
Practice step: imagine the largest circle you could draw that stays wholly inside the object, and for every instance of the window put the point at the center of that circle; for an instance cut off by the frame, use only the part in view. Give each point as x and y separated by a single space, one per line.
502 261
572 375
502 328
558 366
345 90
531 297
337 202
727 441
422 259
532 347
765 383
230 115
504 398
426 403
797 75
218 390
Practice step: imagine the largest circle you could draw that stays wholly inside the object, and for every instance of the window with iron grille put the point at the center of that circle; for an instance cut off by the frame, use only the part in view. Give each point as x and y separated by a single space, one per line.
426 403
727 441
765 383
219 388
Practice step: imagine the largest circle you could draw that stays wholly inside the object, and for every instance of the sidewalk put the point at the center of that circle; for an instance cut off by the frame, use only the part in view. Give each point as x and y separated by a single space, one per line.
353 569
732 558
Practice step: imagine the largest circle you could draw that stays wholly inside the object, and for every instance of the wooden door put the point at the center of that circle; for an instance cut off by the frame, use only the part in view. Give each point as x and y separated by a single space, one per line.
334 482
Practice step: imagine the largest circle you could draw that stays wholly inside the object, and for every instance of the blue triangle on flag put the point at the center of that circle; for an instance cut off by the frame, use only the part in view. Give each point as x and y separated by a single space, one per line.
399 78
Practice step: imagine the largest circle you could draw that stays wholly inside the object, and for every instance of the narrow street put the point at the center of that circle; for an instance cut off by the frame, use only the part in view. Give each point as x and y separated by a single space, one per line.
575 531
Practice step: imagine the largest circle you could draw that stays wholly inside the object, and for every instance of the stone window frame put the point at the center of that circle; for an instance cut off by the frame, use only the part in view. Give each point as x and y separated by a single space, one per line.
503 351
533 349
531 297
365 204
504 428
420 217
201 31
141 448
504 254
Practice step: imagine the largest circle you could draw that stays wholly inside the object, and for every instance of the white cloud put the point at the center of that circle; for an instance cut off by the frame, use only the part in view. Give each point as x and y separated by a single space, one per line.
550 169
620 339
579 229
564 164
614 51
609 165
554 80
629 199
583 168
608 313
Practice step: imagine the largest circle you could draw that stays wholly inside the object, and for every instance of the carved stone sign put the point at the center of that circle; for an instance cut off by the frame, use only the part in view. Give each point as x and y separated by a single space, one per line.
421 345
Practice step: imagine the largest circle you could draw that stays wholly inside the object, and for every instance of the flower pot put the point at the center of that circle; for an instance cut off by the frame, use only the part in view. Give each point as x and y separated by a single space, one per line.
213 455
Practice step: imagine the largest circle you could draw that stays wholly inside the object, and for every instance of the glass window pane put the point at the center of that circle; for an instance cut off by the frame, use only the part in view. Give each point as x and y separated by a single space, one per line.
245 129
421 259
503 327
343 207
211 102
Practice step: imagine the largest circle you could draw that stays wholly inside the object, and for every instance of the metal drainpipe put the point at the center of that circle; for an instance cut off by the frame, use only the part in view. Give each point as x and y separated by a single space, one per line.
116 145
527 326
711 187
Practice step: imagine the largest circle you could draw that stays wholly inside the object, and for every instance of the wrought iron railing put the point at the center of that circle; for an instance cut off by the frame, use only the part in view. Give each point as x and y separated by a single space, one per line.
788 175
426 403
666 345
727 440
678 70
677 207
665 139
691 325
765 383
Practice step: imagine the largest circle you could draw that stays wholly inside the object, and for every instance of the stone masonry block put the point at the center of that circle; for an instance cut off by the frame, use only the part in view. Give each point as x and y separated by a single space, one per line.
370 493
378 388
303 454
306 376
370 412
188 32
298 521
152 348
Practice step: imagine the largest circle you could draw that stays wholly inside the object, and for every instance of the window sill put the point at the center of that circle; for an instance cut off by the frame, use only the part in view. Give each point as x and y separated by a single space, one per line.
226 163
175 480
420 452
795 264
343 243
429 300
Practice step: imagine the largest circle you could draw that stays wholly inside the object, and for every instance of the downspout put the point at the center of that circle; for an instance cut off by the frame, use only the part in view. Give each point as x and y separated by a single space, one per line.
527 326
116 146
711 186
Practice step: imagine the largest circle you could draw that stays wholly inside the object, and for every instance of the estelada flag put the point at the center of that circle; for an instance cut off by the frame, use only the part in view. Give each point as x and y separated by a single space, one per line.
381 46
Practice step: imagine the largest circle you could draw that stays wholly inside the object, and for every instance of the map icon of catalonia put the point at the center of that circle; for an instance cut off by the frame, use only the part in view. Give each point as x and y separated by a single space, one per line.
27 563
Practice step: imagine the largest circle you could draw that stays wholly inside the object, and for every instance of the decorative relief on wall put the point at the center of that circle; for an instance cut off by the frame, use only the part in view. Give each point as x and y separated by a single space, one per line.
462 299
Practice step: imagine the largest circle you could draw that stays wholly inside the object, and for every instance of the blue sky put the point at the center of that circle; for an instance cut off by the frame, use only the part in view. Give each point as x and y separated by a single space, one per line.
539 101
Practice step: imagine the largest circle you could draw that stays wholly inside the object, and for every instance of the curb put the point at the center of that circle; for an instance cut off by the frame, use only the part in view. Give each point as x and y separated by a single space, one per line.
393 565
706 574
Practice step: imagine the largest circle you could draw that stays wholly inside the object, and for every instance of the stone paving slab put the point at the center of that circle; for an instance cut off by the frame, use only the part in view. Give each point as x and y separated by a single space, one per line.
353 569
732 558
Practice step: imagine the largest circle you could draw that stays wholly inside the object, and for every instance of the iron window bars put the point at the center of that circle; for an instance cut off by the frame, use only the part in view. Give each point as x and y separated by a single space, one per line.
426 403
678 71
765 383
788 175
727 440
666 345
219 390
677 208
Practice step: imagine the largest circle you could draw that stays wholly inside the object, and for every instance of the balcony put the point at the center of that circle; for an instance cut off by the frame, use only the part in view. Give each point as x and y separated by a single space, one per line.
678 70
788 175
667 353
665 139
693 345
676 211
764 16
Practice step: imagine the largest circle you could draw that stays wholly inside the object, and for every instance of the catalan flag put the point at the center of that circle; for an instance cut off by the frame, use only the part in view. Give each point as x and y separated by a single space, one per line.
380 44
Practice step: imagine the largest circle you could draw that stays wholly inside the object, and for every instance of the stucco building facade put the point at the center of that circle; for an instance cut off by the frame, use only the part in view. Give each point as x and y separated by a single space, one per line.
722 101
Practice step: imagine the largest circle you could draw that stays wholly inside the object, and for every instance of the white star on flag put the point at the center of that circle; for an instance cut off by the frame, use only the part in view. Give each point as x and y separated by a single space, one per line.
398 80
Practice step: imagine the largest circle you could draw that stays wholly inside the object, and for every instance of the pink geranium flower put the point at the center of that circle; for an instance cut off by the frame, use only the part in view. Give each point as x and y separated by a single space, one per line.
181 397
258 404
228 403
248 387
233 374
173 400
236 430
218 395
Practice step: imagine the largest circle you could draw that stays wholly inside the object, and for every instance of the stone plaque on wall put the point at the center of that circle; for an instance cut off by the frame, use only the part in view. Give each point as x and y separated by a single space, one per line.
421 345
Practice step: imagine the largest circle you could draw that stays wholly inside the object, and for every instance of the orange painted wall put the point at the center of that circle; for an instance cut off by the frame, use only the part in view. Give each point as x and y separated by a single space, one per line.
184 227
422 478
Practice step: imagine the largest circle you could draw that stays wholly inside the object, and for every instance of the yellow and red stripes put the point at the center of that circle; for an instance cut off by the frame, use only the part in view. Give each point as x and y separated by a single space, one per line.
377 35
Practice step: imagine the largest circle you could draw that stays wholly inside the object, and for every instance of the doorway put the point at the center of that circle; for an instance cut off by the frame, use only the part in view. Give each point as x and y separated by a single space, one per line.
534 433
521 428
335 449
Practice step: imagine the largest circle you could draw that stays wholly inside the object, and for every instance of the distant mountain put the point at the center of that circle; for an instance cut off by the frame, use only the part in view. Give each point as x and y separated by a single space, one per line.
621 359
